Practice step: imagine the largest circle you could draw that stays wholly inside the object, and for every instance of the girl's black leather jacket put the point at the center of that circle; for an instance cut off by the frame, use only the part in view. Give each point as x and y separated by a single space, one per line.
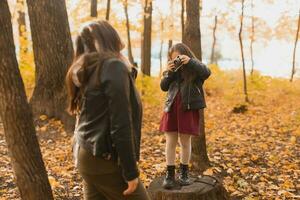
192 92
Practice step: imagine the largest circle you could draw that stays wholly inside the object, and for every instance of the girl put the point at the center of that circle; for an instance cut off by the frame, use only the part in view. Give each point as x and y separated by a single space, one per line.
105 101
183 81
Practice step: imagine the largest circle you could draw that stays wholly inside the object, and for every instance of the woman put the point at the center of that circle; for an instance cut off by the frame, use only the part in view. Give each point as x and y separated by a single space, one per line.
183 81
108 109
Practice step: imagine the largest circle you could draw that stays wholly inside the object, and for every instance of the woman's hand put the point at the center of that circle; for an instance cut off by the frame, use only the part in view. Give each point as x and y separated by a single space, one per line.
132 185
184 59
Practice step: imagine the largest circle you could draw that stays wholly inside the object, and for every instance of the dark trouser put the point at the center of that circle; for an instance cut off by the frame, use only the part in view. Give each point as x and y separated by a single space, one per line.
103 179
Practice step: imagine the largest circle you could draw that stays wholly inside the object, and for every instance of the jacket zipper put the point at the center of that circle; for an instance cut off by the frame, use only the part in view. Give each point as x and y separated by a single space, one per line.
198 89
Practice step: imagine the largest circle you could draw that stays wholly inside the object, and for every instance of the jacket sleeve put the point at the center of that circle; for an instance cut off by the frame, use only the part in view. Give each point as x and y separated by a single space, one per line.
168 78
201 69
116 83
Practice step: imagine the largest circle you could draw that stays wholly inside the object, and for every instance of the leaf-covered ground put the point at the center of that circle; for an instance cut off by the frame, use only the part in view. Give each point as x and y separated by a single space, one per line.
258 152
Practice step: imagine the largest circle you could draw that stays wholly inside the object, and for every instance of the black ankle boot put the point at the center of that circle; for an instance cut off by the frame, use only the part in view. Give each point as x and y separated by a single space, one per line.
169 181
184 175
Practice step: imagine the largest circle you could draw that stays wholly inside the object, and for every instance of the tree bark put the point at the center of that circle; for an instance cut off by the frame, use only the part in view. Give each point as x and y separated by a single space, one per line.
107 10
23 40
242 52
295 48
182 18
15 112
212 56
252 38
204 188
161 46
200 12
192 37
130 56
171 28
53 51
146 39
94 10
170 43
199 156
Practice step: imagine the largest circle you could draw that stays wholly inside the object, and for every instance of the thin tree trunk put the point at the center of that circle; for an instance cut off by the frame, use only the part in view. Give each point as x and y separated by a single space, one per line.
242 52
23 40
160 57
161 46
146 39
212 56
252 38
53 51
294 52
192 39
171 29
94 10
170 43
23 147
131 59
107 10
182 18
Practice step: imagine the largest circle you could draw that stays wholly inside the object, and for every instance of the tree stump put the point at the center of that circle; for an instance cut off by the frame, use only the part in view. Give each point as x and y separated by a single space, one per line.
202 188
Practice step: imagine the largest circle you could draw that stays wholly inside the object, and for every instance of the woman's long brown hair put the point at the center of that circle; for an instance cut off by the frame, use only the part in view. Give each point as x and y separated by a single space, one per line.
187 73
96 42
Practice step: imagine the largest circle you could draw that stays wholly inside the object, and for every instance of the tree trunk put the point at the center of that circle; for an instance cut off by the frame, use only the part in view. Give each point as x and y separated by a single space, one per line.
242 52
199 156
23 40
161 46
146 39
130 56
94 10
170 43
23 147
107 10
294 52
200 12
252 38
160 57
53 51
182 18
192 37
171 28
204 188
212 56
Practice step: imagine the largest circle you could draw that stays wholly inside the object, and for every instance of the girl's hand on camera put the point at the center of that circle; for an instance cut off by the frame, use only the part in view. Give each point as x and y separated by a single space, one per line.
171 66
185 59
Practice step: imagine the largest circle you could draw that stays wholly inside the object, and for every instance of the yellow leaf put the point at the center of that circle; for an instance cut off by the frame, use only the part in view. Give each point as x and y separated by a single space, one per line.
229 171
43 129
209 172
244 171
53 182
43 117
254 157
293 139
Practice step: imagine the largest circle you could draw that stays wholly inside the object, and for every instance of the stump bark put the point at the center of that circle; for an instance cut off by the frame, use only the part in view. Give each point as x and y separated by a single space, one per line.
204 188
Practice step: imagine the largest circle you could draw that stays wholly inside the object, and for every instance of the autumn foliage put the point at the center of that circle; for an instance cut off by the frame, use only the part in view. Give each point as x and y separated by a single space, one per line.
256 152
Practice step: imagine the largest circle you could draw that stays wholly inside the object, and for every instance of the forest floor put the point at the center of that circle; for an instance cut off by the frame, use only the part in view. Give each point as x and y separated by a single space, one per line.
258 151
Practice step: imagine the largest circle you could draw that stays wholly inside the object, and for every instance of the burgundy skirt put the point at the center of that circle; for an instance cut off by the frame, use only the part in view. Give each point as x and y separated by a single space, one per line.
180 121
